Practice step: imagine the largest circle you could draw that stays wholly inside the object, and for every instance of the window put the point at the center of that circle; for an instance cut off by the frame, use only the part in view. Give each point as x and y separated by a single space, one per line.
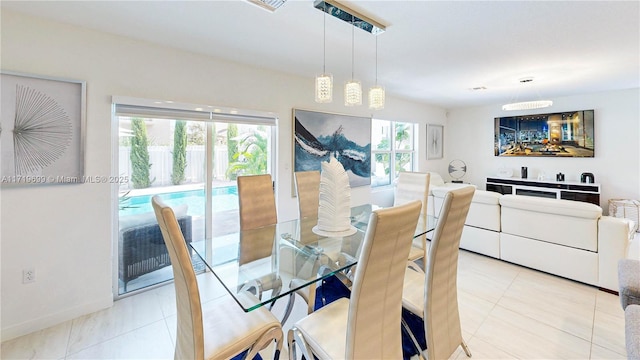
391 150
191 160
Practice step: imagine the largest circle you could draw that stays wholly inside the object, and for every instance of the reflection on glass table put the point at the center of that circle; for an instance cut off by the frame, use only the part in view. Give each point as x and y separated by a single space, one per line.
286 251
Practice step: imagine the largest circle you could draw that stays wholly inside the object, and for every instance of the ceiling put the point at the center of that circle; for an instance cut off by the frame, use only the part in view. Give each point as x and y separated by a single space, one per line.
432 52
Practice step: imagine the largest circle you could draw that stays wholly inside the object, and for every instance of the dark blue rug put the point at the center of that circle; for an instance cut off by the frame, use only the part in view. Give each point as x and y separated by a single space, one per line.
416 325
330 290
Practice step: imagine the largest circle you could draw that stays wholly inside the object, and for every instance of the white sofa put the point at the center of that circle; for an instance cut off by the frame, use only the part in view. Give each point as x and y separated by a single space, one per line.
566 238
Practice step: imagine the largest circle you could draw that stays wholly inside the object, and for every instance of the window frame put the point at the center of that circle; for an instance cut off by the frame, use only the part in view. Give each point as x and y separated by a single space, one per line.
393 152
209 115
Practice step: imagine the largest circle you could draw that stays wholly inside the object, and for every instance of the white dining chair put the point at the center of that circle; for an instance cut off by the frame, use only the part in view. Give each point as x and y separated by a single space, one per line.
257 209
256 201
434 296
414 186
366 326
221 330
307 192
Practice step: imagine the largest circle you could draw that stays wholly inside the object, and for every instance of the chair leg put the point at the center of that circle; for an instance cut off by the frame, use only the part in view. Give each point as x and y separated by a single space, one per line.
291 346
465 348
289 308
295 338
275 333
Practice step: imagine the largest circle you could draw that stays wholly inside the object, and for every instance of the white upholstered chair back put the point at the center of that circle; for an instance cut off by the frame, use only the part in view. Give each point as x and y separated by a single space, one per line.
441 316
257 202
190 335
209 334
308 192
376 299
414 186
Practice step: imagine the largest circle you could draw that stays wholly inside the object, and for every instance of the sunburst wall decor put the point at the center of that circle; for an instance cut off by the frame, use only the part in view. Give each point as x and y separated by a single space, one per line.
41 130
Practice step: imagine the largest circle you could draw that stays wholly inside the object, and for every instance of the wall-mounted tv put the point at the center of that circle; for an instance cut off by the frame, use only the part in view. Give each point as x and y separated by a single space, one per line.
562 134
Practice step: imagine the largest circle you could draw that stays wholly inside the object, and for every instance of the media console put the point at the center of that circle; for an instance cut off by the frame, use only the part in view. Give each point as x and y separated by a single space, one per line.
567 190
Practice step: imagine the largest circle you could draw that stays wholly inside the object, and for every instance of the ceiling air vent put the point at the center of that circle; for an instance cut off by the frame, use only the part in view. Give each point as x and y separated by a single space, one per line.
271 5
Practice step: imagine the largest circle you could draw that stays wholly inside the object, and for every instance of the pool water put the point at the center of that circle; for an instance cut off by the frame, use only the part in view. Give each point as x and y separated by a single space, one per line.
224 198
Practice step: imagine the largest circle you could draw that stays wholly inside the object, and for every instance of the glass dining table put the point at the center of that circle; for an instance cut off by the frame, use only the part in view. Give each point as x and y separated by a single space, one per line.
277 260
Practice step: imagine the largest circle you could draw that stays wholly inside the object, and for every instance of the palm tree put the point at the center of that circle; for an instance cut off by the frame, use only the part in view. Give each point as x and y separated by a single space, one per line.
402 139
251 155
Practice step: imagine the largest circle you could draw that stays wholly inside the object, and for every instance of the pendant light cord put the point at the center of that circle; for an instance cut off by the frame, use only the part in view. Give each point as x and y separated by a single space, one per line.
352 45
324 40
376 59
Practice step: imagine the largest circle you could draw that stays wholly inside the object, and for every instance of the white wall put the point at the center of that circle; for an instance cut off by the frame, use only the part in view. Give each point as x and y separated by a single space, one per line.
66 231
616 165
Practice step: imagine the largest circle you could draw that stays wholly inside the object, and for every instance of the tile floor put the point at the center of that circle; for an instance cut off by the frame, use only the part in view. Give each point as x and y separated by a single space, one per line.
507 312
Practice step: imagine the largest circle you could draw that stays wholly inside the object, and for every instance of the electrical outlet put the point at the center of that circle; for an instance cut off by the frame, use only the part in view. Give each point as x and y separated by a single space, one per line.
28 275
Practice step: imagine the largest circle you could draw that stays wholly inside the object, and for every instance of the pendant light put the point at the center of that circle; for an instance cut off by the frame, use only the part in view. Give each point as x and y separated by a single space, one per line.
324 81
527 105
376 92
352 88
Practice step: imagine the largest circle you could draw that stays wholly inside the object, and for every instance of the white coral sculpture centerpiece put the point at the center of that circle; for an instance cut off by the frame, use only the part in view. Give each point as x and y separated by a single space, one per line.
334 213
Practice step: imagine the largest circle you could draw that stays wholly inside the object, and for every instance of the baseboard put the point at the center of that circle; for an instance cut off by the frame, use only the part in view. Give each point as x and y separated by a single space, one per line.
609 291
33 325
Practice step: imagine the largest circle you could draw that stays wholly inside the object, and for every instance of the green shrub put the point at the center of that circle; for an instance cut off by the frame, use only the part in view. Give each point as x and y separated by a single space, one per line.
179 152
139 155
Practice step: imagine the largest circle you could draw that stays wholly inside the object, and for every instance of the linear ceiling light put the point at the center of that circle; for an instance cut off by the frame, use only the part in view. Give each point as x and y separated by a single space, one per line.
527 105
271 5
348 15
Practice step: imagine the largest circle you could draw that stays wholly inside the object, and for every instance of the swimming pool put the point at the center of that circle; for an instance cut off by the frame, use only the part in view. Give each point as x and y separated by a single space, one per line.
224 198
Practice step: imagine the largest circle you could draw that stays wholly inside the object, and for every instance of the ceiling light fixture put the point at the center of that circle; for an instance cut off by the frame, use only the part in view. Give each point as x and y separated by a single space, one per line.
376 93
352 88
348 15
324 81
527 105
270 5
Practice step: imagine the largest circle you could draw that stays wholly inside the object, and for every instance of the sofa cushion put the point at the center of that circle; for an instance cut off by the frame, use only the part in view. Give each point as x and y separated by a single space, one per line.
563 222
435 179
552 206
629 281
486 197
632 331
442 189
484 211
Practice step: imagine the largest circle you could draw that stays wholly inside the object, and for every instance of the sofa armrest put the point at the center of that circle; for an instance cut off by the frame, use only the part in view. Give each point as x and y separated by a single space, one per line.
613 241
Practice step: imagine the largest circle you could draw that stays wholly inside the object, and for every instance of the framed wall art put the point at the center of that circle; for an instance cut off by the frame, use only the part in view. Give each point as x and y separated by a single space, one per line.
42 127
435 136
564 134
317 136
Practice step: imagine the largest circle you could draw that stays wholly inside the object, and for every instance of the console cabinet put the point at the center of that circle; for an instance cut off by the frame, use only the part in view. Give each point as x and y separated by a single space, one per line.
566 190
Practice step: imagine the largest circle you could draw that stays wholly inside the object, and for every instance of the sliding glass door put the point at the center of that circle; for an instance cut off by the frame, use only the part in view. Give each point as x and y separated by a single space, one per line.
184 158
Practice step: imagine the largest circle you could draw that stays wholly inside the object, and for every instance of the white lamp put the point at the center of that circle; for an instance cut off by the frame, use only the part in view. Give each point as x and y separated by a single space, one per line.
324 81
376 93
527 105
352 89
352 93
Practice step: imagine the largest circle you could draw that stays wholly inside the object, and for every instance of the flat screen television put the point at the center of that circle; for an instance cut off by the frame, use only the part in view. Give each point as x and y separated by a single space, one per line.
561 134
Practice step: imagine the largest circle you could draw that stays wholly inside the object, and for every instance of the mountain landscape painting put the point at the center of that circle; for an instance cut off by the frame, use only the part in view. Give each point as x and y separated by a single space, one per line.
319 136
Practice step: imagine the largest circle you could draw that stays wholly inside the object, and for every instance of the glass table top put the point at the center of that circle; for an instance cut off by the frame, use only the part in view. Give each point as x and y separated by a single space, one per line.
264 261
